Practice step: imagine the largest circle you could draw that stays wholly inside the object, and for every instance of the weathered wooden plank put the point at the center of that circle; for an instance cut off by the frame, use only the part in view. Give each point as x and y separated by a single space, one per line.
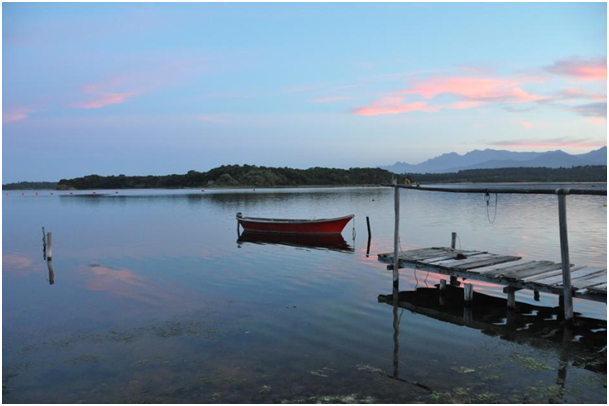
602 288
512 272
499 267
536 268
423 256
452 257
548 269
452 262
535 278
586 281
496 260
574 275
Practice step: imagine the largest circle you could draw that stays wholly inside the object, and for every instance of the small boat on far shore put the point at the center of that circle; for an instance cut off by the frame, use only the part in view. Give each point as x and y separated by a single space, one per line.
294 226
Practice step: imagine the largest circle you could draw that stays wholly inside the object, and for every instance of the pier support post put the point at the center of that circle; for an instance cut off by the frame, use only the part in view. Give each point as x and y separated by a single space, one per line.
564 254
511 296
442 286
396 236
49 246
453 240
468 294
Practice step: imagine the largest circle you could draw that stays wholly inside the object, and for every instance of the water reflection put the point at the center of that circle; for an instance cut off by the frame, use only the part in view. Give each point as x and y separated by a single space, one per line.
584 345
332 242
51 272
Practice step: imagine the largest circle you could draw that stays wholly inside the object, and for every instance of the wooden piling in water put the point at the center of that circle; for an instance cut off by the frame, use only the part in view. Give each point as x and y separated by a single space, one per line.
396 236
511 296
453 240
468 294
564 254
49 246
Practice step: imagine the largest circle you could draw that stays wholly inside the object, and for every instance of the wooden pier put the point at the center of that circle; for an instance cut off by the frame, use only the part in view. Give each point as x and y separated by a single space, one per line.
563 279
514 272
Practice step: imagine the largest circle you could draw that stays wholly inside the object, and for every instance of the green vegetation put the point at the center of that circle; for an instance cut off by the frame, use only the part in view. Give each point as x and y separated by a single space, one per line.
261 176
238 176
575 174
29 185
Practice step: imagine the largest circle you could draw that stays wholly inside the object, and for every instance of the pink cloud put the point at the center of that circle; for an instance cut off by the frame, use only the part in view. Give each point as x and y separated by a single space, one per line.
393 105
16 114
526 125
551 143
481 89
331 99
597 120
580 68
104 100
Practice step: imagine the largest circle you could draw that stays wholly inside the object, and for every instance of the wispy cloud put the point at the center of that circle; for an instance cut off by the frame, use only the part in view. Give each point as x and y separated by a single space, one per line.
580 68
104 100
489 89
597 120
526 124
470 92
561 142
16 113
591 109
393 105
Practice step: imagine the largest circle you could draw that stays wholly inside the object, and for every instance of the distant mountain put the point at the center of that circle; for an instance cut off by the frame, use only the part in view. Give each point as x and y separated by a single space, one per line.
491 159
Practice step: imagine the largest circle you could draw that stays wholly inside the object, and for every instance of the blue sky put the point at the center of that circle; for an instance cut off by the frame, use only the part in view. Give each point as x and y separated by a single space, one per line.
164 88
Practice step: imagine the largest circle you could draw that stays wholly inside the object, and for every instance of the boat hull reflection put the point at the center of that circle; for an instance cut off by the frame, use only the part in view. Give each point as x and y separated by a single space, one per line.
332 242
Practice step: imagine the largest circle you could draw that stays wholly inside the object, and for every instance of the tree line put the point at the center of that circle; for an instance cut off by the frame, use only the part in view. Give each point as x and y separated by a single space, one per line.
237 176
262 176
595 173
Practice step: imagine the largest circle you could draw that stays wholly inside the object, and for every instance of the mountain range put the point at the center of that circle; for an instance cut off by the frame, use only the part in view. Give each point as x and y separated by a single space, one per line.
492 158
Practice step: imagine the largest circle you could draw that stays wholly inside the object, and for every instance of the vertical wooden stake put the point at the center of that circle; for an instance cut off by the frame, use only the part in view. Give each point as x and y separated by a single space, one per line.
44 244
396 236
511 299
453 240
49 246
468 293
564 254
368 224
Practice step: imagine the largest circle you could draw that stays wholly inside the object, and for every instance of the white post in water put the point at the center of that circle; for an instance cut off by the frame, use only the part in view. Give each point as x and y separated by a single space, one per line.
396 237
564 254
49 246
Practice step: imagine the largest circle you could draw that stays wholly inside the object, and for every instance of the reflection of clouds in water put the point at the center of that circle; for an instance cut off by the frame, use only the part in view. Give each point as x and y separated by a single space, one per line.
17 265
128 284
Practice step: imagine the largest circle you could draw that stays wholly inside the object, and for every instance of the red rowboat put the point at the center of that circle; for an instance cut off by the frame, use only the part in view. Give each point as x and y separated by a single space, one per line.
321 226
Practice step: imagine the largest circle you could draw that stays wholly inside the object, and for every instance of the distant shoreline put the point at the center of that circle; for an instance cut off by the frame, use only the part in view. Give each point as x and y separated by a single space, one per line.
252 177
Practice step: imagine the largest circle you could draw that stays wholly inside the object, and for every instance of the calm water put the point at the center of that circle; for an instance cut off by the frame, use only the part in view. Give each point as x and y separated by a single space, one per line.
154 300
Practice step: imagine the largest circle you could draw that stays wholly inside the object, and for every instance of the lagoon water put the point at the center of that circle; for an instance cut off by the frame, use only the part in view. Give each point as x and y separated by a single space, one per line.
154 300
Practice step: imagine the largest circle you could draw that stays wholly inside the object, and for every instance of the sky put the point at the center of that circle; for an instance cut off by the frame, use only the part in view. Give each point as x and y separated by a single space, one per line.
150 88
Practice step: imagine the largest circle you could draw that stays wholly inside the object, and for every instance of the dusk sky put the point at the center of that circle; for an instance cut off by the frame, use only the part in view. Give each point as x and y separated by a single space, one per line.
141 89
